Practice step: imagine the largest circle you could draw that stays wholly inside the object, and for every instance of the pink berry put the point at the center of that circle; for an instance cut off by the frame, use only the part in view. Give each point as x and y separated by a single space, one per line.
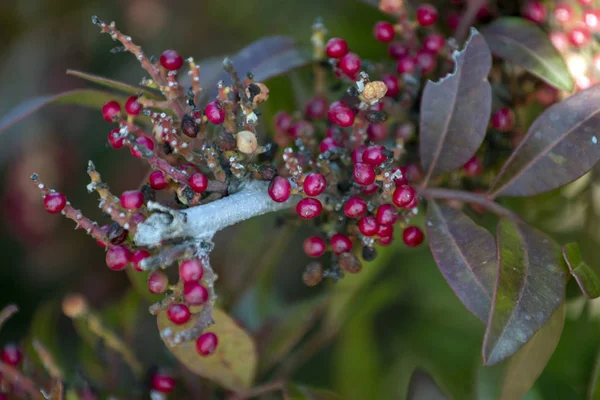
214 113
132 199
384 31
314 184
473 167
413 172
370 189
207 344
434 43
163 383
132 107
560 40
393 85
198 182
397 50
405 131
403 196
413 236
357 153
563 13
327 144
503 119
585 2
340 243
55 202
579 36
137 257
11 355
364 174
171 60
111 111
355 207
341 115
386 214
194 293
368 225
405 65
309 208
374 155
591 19
142 142
280 189
316 108
534 11
117 258
336 48
427 15
114 139
385 230
350 64
377 132
282 121
314 246
157 282
158 180
427 61
191 270
178 313
385 240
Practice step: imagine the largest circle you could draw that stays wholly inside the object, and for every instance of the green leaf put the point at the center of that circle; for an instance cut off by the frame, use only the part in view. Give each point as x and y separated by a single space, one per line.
525 44
109 83
514 377
299 392
530 286
423 387
232 366
586 277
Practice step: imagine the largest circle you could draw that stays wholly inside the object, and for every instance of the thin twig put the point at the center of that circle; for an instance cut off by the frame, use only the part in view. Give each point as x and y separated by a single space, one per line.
14 376
47 360
7 312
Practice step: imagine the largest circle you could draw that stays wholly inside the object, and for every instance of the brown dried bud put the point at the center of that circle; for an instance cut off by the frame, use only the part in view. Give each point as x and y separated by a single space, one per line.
116 234
373 92
189 126
225 141
313 273
267 172
376 117
349 263
74 305
185 195
258 93
246 142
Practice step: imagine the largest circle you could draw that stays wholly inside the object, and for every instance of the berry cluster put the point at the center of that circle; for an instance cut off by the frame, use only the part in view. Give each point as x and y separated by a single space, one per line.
12 356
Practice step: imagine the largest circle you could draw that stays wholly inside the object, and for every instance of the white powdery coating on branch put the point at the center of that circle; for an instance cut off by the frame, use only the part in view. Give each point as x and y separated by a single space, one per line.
202 222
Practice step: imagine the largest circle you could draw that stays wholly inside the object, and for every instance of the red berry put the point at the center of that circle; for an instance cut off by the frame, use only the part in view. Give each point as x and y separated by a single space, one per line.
340 243
137 258
534 11
426 61
370 189
433 43
198 182
158 180
207 344
413 204
114 139
397 50
393 86
163 383
385 240
316 108
142 142
590 18
280 189
402 172
368 225
178 313
301 129
327 144
427 15
579 36
473 167
453 20
374 155
309 208
132 199
117 257
377 132
194 293
350 64
405 65
403 196
384 31
336 48
364 174
282 121
355 207
157 282
546 95
11 355
137 218
314 184
386 214
503 119
340 115
171 60
412 236
385 230
314 246
110 111
357 153
214 112
405 131
413 172
191 270
132 107
55 202
563 13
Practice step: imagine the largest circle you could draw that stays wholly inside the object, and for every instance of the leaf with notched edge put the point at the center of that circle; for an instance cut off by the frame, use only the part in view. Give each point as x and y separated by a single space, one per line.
530 286
522 42
465 254
586 277
455 111
560 146
423 387
232 365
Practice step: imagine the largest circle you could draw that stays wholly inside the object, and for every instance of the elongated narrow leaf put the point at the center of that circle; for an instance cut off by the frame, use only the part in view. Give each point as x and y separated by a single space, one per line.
560 146
530 287
232 366
513 378
465 254
586 277
522 42
300 392
594 385
423 387
112 84
455 111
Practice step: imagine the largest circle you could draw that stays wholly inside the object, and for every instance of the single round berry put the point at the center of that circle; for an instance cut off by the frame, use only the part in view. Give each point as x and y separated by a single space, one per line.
157 282
377 132
309 208
350 64
385 230
178 313
313 273
579 36
158 180
316 108
341 115
434 43
327 144
163 383
412 236
503 119
427 61
560 40
55 202
473 167
547 95
137 257
386 214
413 204
405 131
132 106
413 172
207 344
111 111
364 174
280 189
282 121
314 246
405 65
384 31
132 199
340 243
191 270
403 196
393 85
368 225
563 13
336 48
385 240
143 142
427 15
11 355
115 140
194 293
591 19
301 129
357 153
314 184
397 50
214 113
355 207
370 189
198 182
171 60
534 11
374 155
117 258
